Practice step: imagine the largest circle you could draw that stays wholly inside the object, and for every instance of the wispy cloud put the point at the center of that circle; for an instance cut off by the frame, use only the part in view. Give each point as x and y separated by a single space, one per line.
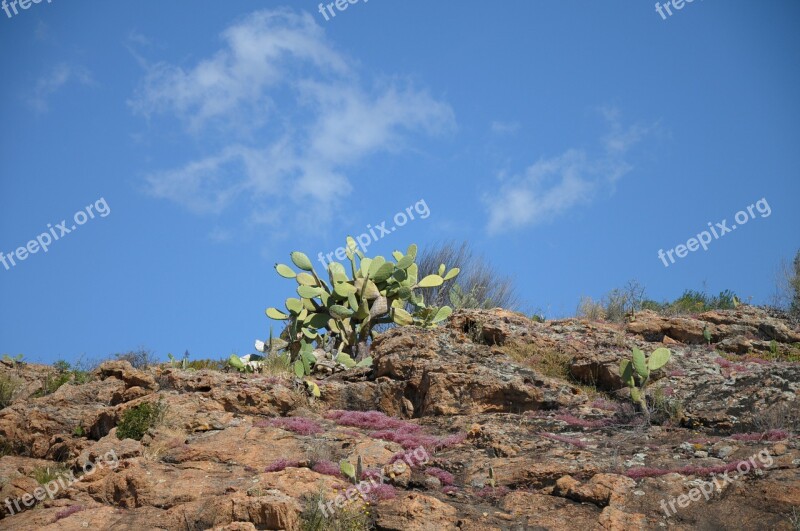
54 80
552 186
139 39
504 128
294 112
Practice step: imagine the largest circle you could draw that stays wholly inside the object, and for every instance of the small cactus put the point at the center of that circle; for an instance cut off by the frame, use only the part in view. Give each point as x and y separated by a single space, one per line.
348 470
640 366
707 334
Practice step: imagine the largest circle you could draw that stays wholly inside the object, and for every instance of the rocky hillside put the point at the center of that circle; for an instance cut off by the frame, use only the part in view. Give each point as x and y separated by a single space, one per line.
492 422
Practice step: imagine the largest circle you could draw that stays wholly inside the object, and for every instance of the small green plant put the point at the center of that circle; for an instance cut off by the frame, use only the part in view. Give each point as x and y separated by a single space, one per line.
707 334
65 373
794 519
773 348
78 431
341 311
6 447
273 349
213 365
137 420
51 384
15 360
353 517
62 366
348 470
183 363
9 385
639 367
692 301
236 363
45 474
665 407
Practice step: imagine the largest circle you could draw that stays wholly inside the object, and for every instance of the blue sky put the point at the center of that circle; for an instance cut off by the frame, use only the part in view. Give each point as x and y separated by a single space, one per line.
567 141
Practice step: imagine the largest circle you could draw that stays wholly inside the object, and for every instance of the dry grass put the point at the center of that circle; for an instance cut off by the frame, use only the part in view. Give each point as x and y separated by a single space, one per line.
277 366
46 474
165 441
549 362
794 519
589 309
9 385
664 407
785 416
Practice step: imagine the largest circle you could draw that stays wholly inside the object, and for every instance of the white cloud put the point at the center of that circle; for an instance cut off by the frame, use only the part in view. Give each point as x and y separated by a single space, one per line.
620 139
504 128
52 81
139 39
551 186
294 115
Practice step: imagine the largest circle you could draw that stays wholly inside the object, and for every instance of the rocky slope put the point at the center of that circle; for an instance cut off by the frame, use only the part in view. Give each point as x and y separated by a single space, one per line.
523 425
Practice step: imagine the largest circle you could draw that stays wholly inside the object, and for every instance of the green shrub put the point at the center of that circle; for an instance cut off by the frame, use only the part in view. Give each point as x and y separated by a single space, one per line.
137 420
51 383
65 373
62 366
692 301
622 303
80 377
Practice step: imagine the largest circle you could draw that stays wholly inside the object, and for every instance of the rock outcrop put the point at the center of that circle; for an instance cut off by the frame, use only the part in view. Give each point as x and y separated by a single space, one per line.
491 422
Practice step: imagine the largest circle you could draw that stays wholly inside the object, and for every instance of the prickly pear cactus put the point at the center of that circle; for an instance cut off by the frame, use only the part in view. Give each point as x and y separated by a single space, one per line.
641 367
344 304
